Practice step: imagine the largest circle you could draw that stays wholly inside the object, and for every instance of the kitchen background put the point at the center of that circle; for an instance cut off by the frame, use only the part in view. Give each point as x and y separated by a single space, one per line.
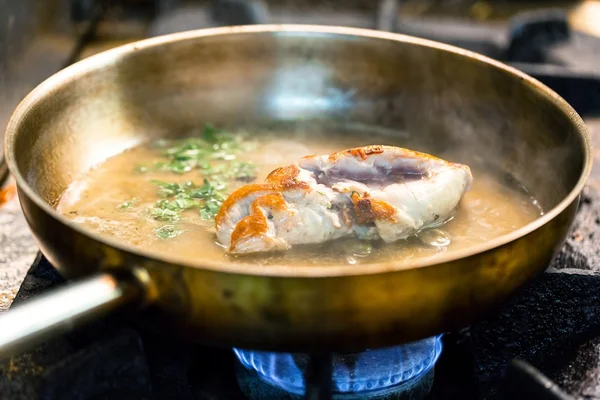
558 42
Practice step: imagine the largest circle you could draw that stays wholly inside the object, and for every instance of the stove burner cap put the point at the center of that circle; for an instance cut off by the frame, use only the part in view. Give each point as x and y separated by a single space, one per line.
371 373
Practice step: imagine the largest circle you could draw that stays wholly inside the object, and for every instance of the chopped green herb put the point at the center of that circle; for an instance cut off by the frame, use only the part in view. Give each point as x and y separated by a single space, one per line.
244 171
167 231
210 133
128 204
238 170
205 214
177 166
184 203
179 197
214 155
167 189
210 209
164 210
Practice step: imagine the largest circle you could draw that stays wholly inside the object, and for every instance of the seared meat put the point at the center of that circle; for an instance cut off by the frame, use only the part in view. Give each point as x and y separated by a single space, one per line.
372 192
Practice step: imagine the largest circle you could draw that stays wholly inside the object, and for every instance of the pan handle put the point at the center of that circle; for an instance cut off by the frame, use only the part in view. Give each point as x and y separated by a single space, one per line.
61 310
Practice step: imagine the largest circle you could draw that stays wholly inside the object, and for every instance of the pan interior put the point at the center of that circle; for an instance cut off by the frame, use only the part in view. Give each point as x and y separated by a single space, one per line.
122 199
417 96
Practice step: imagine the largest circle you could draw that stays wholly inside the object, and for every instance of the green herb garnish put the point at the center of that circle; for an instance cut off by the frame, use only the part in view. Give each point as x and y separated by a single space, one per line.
165 210
214 155
210 133
128 204
167 232
210 209
207 198
167 189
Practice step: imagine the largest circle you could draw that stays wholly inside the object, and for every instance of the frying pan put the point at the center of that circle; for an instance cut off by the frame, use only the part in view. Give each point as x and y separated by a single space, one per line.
447 100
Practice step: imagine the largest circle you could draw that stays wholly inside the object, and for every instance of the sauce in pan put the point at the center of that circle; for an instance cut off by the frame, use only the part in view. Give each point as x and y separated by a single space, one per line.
163 197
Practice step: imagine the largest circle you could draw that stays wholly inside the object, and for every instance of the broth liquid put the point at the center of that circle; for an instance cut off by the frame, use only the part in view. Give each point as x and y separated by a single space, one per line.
490 209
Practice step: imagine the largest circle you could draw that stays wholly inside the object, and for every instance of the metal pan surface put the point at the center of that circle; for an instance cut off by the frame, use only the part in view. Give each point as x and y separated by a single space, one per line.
240 76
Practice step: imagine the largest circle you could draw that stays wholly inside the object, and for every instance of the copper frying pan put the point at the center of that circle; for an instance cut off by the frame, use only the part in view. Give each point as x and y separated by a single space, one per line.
449 98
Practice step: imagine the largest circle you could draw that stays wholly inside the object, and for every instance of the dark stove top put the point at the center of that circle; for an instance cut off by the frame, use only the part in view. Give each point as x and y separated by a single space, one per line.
551 328
545 339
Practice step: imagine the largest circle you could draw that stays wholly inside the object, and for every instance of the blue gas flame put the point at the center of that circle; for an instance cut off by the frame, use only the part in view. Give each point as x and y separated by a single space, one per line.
372 370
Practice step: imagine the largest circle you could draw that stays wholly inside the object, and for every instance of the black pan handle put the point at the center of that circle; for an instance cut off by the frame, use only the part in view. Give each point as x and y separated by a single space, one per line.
62 309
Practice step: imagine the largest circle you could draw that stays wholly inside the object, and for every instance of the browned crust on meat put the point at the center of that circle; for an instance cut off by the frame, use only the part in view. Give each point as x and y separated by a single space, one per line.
236 196
279 179
286 178
368 210
364 152
256 223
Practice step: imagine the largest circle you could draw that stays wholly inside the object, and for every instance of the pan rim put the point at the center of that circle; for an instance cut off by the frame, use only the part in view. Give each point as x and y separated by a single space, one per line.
292 271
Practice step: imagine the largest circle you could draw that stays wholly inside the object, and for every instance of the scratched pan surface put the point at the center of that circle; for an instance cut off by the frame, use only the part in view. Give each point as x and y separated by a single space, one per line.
264 75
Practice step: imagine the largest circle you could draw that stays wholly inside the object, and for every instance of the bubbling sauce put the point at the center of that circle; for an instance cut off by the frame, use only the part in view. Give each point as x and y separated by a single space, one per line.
115 200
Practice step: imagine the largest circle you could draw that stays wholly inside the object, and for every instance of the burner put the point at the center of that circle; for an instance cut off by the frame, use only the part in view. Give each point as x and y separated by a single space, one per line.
394 372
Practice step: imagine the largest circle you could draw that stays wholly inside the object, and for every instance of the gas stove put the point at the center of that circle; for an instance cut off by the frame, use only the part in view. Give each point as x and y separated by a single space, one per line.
543 344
